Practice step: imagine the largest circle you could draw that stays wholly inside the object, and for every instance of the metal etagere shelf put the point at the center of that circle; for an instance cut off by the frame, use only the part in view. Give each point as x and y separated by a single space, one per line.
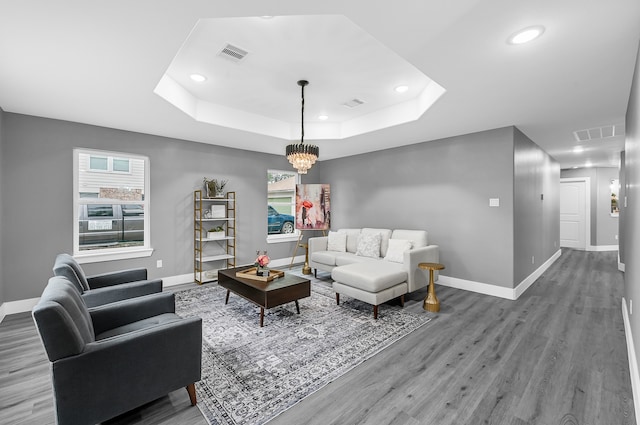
211 254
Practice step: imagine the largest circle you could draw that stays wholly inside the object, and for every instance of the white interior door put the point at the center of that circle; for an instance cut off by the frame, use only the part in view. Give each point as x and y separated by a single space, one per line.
573 209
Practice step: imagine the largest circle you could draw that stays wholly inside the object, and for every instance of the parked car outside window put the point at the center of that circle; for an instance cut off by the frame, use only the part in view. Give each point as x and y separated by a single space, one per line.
112 225
280 223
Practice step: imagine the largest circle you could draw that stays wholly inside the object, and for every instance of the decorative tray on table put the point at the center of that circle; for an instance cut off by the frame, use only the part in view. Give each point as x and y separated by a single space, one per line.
251 274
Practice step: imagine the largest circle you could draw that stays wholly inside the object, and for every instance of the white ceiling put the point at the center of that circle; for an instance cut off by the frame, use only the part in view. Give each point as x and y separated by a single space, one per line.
99 63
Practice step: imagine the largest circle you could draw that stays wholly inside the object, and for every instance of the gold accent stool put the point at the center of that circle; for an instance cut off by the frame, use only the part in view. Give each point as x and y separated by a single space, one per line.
306 269
431 302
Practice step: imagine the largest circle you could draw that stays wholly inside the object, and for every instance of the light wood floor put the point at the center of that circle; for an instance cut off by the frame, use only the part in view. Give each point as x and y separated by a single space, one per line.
556 356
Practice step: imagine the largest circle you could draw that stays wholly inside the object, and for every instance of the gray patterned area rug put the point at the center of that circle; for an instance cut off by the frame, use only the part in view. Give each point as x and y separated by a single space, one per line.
252 374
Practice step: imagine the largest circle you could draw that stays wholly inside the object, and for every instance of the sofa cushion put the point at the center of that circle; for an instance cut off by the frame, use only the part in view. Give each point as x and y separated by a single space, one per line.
331 258
369 245
397 248
337 242
385 235
370 276
349 258
352 238
418 238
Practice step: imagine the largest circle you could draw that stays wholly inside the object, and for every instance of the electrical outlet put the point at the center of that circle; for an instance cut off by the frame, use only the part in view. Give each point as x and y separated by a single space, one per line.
616 237
533 259
159 264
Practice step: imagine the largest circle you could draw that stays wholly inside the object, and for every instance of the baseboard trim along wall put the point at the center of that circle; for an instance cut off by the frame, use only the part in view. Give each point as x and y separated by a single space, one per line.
21 306
599 248
14 307
498 291
633 361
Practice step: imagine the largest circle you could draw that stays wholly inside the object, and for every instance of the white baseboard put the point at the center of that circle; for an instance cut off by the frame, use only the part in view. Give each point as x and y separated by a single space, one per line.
602 248
20 306
478 287
633 361
498 291
177 280
526 283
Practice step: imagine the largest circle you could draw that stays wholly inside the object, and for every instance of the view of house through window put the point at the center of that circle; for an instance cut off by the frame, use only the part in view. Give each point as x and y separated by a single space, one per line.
110 201
281 196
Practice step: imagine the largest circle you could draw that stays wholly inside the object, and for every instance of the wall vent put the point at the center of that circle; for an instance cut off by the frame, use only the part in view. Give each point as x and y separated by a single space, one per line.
353 103
233 53
596 133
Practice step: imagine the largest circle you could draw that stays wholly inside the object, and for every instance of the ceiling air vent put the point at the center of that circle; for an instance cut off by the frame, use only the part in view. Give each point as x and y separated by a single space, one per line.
233 53
596 133
353 103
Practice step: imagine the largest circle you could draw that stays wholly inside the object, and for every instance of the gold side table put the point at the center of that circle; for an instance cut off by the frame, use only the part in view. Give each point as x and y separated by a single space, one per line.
306 269
431 302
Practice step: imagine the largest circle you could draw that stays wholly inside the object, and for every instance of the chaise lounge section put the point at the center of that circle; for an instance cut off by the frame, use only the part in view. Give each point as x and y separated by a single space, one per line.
373 265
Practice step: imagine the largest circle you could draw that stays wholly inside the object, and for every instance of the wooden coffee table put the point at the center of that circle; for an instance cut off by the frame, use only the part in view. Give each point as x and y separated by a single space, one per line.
265 294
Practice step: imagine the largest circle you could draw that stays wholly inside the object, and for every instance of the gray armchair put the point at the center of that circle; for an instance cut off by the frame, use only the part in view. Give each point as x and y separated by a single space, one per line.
116 357
107 287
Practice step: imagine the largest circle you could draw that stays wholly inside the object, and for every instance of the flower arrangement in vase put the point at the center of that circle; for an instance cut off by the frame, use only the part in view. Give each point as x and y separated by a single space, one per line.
262 260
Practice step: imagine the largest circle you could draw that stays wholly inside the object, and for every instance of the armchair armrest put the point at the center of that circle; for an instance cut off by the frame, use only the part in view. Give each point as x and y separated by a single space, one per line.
116 278
416 277
111 294
318 244
120 313
136 368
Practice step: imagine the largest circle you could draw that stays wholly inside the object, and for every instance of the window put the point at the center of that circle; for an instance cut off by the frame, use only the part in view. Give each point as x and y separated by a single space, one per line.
111 205
281 196
108 164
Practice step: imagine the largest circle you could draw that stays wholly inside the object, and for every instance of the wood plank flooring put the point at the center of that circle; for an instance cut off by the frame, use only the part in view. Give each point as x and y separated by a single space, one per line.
556 356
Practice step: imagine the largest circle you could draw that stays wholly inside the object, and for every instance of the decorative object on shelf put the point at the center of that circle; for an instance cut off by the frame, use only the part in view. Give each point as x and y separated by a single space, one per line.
216 233
214 188
302 156
261 263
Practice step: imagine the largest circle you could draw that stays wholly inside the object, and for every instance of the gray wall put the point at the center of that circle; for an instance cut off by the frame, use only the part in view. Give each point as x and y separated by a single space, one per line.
623 216
37 192
443 187
536 206
632 212
604 228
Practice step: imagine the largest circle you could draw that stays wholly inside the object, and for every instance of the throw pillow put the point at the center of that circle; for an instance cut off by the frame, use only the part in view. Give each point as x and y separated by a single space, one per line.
396 250
369 246
337 242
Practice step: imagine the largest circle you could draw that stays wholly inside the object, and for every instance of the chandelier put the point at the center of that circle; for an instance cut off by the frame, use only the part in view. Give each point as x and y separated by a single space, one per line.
302 156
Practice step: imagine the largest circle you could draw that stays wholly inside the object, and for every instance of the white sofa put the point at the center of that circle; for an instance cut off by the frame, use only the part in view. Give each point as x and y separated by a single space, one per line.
361 272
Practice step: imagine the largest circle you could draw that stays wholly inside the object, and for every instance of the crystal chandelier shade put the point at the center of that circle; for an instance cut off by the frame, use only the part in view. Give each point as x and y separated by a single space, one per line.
302 156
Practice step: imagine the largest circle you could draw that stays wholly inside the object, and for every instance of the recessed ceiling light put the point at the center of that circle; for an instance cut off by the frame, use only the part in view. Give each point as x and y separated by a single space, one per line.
526 35
588 164
198 78
402 89
323 117
578 149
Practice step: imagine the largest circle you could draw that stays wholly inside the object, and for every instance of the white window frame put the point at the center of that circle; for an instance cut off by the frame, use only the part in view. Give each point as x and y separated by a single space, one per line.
290 237
110 254
110 159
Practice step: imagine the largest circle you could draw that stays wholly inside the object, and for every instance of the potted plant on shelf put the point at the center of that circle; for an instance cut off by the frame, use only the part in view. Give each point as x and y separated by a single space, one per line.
216 233
214 188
